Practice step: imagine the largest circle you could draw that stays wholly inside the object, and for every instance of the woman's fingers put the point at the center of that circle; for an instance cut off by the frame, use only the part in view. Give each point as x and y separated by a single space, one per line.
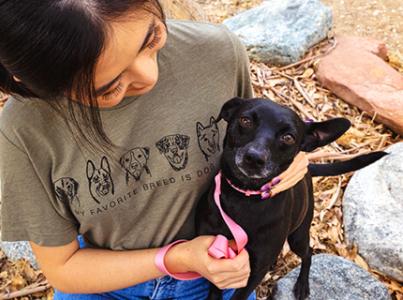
232 282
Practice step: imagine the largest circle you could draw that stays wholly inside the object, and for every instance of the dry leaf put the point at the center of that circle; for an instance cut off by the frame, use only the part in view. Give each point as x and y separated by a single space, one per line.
396 59
361 262
307 73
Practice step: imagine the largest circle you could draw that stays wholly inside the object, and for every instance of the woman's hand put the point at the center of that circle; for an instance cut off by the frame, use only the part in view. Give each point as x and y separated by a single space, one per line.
192 256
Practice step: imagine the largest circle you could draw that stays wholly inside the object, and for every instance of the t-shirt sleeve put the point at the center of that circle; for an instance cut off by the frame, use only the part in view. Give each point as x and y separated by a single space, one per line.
29 211
243 84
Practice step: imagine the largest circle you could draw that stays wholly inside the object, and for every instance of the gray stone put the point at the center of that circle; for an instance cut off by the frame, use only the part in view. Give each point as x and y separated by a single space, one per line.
279 32
334 278
17 250
373 213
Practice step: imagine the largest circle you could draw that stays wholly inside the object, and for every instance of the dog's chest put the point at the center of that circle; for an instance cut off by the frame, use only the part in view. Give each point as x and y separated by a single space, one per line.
256 216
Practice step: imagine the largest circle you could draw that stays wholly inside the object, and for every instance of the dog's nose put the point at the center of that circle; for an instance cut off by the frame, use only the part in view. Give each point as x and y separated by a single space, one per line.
255 157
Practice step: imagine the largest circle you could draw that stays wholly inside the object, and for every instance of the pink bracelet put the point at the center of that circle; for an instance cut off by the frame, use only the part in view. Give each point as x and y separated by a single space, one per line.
159 262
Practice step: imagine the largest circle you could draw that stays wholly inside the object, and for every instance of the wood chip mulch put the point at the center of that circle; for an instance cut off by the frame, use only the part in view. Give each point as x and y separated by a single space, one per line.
296 86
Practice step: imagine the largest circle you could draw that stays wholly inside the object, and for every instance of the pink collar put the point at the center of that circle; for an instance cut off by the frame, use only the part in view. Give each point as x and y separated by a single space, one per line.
264 190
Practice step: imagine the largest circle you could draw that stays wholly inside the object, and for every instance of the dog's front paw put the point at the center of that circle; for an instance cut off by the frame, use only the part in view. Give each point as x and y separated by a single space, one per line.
301 290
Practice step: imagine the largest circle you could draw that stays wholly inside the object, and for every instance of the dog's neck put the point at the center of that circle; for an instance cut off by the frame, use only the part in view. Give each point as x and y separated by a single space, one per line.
245 183
297 168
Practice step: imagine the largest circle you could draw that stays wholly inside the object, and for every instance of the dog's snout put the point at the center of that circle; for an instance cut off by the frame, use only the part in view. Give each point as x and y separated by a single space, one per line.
255 157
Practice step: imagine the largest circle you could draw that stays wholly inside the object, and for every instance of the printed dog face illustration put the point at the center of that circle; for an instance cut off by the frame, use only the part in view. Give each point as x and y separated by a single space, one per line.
100 180
66 189
208 138
174 147
134 162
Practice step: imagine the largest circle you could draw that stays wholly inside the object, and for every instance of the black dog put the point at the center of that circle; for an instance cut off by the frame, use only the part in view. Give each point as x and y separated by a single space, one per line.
261 141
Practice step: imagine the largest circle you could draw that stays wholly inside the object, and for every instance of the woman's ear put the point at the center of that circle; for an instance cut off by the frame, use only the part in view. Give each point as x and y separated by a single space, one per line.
318 134
229 108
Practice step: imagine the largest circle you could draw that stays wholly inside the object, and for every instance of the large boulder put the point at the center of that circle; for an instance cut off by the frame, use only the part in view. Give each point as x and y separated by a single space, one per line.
373 213
356 71
336 278
279 32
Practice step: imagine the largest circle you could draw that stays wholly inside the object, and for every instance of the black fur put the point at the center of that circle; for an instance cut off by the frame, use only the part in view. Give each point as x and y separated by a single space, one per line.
261 141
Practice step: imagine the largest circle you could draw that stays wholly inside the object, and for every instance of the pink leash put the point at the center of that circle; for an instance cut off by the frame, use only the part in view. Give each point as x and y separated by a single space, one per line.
218 249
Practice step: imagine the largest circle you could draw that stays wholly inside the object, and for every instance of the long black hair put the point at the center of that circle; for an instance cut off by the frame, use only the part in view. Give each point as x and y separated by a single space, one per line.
52 47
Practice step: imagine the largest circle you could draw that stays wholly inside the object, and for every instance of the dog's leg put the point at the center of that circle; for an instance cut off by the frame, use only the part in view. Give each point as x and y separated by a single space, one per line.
299 244
255 278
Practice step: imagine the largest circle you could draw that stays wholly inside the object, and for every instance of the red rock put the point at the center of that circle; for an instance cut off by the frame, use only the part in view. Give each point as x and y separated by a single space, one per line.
357 72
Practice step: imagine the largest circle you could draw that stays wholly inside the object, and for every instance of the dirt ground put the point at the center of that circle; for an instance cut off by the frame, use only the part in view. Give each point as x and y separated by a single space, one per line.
381 19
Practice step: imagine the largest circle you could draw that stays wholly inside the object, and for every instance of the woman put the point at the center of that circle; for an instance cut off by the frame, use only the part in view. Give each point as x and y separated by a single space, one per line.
110 134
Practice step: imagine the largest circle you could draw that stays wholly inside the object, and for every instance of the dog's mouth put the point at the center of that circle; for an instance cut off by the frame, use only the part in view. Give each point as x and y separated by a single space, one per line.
253 175
177 158
262 173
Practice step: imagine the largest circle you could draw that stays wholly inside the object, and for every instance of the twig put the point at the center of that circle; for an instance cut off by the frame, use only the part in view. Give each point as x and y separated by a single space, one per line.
298 86
309 58
382 143
335 195
31 289
304 93
285 98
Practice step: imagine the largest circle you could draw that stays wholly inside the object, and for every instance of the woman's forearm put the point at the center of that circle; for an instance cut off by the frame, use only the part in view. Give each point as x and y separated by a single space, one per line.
98 270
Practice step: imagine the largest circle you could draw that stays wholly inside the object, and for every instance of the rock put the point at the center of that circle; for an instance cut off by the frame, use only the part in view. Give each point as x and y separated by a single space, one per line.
17 250
373 213
183 10
356 72
333 277
279 32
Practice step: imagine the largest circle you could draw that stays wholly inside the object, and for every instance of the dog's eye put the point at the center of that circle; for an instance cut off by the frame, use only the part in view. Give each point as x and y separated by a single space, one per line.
246 122
288 139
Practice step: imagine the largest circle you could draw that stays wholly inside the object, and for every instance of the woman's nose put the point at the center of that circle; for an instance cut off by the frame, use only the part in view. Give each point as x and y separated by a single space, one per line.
143 72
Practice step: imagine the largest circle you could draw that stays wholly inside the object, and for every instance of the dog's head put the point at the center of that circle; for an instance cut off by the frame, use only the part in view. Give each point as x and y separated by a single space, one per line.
135 160
263 138
174 147
100 180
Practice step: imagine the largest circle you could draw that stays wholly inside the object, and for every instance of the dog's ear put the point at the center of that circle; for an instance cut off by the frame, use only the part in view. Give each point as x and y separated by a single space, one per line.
105 164
319 134
229 108
90 169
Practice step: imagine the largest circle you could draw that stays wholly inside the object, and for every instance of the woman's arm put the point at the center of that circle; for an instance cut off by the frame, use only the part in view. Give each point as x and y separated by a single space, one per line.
73 270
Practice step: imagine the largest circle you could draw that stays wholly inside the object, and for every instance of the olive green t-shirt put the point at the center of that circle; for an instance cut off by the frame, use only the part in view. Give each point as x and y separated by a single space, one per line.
52 191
